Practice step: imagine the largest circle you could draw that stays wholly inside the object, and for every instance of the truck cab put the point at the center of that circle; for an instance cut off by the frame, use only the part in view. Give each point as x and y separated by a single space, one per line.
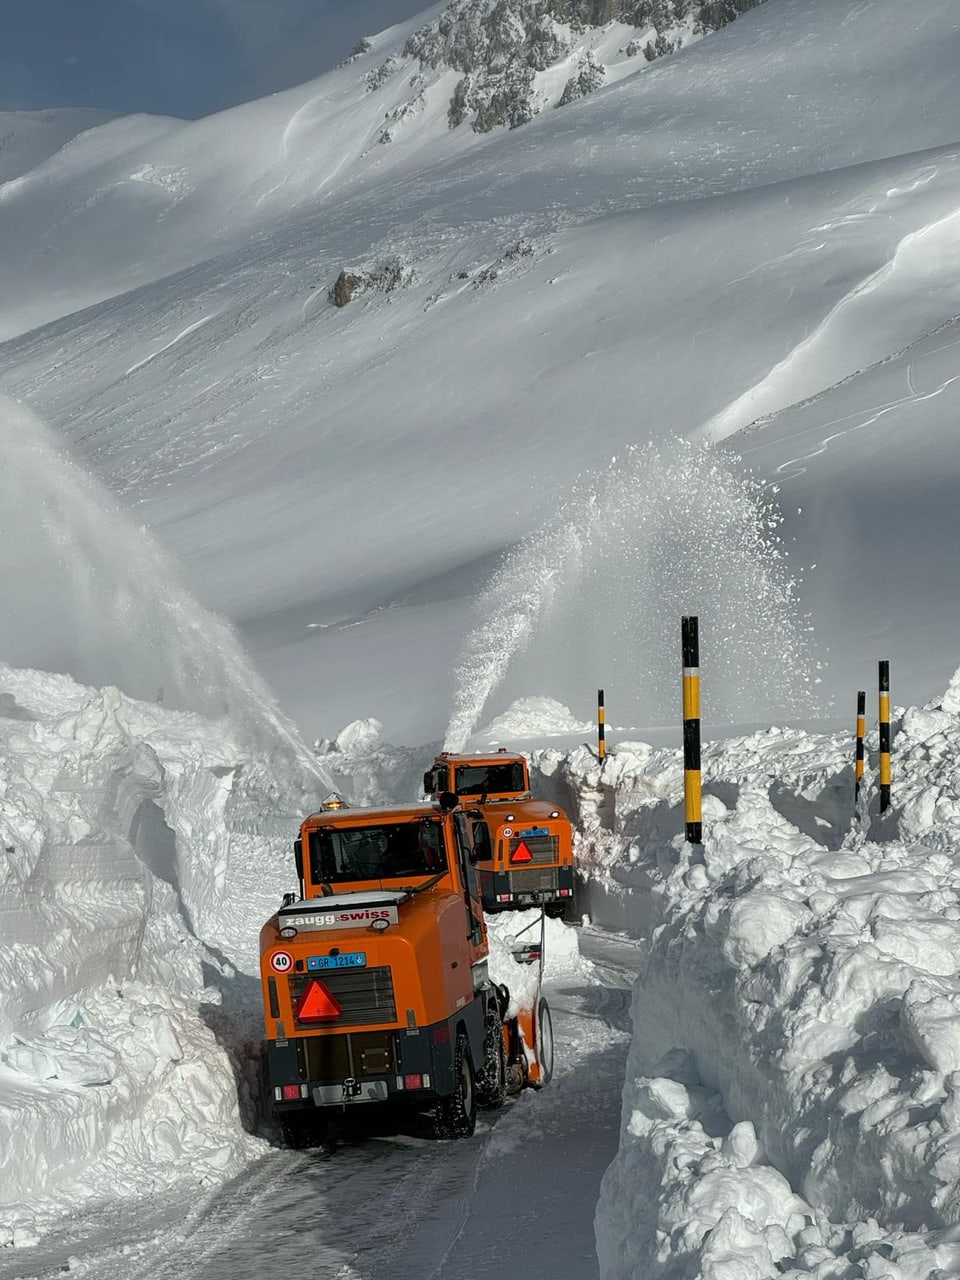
375 978
524 846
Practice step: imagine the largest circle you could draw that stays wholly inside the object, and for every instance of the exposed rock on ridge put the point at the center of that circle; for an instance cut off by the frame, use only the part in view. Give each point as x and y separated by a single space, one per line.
500 47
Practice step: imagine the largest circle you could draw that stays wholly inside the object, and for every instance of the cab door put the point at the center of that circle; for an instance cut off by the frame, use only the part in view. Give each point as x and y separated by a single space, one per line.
469 879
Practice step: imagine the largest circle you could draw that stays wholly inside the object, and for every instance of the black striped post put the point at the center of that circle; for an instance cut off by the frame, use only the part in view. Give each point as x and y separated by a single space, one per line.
884 736
690 632
861 730
601 727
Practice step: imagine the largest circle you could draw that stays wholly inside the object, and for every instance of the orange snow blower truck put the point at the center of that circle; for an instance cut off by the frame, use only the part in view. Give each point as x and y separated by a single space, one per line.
375 979
528 860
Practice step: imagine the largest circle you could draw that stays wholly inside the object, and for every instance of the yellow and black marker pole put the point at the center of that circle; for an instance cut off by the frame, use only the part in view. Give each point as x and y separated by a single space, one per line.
861 730
601 727
884 736
690 631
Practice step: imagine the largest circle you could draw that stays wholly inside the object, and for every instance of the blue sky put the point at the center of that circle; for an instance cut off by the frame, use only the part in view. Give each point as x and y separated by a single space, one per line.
175 57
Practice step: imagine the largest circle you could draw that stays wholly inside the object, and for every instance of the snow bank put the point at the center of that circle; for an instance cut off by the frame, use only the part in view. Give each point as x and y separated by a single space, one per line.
792 1101
140 850
527 718
366 770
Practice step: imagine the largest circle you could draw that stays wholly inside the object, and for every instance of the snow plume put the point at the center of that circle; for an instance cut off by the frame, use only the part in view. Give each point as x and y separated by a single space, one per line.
87 592
595 597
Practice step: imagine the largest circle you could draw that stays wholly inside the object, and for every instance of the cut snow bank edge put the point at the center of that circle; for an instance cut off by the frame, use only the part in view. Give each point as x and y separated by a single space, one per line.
792 1095
140 850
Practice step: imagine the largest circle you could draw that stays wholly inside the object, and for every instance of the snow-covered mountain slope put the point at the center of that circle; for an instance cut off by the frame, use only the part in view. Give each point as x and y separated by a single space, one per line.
717 235
28 138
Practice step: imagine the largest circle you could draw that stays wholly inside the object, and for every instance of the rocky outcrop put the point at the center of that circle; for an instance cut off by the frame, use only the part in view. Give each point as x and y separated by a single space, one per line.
344 287
499 47
384 277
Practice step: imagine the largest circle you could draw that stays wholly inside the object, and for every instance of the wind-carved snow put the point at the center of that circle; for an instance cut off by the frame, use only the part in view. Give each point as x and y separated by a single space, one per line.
595 596
185 333
919 278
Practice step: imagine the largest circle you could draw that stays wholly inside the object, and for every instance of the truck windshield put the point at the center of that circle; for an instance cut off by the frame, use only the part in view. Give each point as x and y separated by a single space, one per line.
385 852
489 779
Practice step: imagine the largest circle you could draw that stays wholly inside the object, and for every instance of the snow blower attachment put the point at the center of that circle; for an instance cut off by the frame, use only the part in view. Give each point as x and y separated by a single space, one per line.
525 846
375 979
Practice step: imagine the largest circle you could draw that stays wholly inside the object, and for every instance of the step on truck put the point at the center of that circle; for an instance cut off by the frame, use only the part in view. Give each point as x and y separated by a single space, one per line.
376 982
525 846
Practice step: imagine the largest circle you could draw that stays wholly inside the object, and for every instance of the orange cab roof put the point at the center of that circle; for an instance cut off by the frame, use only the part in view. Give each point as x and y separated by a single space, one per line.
490 757
368 817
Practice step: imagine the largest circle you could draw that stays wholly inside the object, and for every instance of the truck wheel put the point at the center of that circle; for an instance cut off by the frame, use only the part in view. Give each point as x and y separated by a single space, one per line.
492 1078
303 1129
456 1116
544 1044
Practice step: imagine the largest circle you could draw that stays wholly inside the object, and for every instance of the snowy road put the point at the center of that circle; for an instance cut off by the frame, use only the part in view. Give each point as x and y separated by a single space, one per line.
401 1205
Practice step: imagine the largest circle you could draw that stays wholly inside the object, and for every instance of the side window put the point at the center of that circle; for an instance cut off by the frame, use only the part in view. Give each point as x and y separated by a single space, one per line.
481 841
468 874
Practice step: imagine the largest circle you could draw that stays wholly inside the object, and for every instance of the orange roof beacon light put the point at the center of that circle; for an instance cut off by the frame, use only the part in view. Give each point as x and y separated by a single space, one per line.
375 977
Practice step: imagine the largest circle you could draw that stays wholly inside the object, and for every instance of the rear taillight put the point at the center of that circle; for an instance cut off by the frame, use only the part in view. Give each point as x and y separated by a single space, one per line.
413 1081
291 1092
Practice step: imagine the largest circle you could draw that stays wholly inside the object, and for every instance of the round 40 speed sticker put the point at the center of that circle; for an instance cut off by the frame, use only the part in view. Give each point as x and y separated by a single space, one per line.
281 962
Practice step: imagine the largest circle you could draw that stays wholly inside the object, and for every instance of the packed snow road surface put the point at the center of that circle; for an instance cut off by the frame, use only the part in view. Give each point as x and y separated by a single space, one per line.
388 1202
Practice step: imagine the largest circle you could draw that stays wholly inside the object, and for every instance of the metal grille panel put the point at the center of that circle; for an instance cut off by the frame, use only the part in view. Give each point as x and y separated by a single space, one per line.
365 995
533 881
362 1053
542 848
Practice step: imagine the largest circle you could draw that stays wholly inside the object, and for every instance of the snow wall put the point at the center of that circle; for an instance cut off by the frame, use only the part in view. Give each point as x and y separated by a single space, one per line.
140 851
792 1095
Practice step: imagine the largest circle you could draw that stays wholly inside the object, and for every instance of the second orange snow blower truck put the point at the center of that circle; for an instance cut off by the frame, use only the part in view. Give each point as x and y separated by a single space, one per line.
528 859
376 982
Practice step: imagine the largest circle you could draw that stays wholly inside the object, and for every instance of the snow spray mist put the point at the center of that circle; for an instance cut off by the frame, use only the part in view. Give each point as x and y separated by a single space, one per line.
595 597
84 591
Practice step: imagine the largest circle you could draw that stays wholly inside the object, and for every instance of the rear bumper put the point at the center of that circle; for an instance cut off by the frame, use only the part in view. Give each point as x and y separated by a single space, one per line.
353 1068
526 887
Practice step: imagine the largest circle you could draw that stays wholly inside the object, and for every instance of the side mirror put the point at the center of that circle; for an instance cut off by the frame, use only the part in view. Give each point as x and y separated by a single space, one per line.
428 784
298 856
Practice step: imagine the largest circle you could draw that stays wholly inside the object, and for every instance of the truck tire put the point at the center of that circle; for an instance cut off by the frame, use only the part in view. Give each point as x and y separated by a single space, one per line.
492 1077
301 1130
456 1115
544 1044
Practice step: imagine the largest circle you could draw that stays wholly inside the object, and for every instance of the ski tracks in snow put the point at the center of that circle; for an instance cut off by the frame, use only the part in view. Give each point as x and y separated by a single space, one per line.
850 423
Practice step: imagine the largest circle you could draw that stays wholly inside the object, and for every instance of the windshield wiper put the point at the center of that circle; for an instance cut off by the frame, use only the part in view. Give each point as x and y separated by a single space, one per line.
427 884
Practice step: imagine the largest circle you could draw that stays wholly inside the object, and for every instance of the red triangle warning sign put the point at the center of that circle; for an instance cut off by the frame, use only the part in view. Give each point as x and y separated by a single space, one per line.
521 853
317 1003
